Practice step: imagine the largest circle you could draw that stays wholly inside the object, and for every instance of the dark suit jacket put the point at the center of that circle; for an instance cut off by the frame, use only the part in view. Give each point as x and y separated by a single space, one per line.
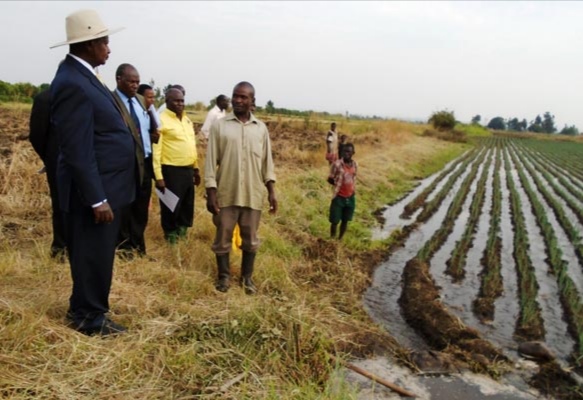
135 131
42 135
96 160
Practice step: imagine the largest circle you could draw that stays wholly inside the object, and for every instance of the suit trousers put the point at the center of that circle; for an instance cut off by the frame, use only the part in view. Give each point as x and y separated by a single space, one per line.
179 180
91 249
134 218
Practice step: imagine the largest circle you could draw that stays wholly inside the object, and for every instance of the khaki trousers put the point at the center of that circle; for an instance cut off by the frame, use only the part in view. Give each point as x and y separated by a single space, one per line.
248 220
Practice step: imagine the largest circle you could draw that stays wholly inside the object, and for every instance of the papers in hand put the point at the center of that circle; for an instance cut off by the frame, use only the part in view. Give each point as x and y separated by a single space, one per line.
168 198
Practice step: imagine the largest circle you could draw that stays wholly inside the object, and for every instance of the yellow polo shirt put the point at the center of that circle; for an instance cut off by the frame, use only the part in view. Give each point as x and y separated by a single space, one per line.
177 146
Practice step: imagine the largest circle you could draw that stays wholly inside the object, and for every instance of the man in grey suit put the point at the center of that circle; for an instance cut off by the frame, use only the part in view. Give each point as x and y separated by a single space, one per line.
135 217
96 172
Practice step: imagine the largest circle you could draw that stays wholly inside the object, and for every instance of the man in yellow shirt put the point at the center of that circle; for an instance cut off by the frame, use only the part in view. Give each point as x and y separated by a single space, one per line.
238 169
176 166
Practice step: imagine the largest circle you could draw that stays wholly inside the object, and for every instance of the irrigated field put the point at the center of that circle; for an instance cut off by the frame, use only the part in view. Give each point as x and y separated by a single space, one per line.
491 257
492 254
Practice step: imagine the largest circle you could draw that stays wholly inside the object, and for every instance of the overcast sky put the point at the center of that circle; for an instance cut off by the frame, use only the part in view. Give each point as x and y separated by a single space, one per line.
394 59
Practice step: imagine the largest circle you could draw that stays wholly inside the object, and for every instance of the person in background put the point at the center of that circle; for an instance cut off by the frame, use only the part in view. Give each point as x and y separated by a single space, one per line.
217 112
147 92
134 218
332 144
343 178
96 172
44 141
341 144
238 169
176 166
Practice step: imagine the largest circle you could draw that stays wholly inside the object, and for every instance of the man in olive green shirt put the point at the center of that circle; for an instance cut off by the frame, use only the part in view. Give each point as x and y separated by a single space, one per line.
238 167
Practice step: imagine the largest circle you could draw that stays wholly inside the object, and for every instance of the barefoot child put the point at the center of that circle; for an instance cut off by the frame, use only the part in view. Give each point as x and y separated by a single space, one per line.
342 176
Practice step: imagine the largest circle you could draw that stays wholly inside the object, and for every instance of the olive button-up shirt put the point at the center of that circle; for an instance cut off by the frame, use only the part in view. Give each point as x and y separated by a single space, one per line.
239 162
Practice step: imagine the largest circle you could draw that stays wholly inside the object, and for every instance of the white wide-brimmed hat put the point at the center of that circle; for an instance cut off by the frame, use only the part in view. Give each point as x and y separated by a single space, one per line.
85 25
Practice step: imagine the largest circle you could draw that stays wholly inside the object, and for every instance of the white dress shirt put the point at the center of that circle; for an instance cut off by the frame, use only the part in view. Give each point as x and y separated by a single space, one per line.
214 114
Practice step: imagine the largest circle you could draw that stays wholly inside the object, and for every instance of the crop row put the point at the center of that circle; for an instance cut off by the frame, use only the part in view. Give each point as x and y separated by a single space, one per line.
491 279
573 186
420 199
558 210
569 296
455 208
420 300
456 263
530 324
552 152
573 205
543 181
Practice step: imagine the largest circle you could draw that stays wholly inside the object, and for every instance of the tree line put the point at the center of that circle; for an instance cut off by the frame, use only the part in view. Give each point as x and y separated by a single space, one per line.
20 92
544 124
24 92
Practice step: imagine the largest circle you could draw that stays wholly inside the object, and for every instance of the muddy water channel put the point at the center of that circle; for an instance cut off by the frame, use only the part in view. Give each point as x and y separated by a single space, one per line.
458 296
381 300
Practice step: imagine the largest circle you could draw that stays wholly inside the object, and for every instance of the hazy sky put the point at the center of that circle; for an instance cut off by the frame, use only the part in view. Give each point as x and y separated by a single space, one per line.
394 59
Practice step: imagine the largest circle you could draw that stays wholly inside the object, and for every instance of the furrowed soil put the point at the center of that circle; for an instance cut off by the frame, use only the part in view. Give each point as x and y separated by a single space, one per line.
188 341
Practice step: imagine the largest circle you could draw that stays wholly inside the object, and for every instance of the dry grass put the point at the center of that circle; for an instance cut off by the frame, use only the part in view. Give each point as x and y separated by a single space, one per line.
185 339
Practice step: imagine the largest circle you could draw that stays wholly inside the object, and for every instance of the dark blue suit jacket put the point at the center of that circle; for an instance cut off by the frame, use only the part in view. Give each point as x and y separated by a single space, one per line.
97 155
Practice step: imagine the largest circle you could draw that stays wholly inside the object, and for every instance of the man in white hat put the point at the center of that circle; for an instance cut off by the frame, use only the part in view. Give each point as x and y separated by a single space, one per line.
96 173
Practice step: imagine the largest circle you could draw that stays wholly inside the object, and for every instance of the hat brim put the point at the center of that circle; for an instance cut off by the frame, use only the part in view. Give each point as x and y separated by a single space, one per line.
87 38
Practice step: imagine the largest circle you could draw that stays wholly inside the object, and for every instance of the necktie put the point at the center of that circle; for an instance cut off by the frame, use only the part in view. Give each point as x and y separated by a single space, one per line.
134 115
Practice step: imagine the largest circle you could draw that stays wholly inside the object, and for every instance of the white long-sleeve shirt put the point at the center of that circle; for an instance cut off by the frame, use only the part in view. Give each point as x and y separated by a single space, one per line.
214 114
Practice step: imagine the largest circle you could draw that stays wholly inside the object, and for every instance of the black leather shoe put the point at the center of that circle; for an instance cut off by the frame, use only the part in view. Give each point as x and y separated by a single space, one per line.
106 328
126 254
111 328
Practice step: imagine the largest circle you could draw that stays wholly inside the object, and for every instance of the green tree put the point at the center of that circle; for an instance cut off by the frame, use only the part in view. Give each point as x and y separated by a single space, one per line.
442 120
167 88
548 123
199 106
570 130
497 123
514 124
536 125
21 91
269 107
476 119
